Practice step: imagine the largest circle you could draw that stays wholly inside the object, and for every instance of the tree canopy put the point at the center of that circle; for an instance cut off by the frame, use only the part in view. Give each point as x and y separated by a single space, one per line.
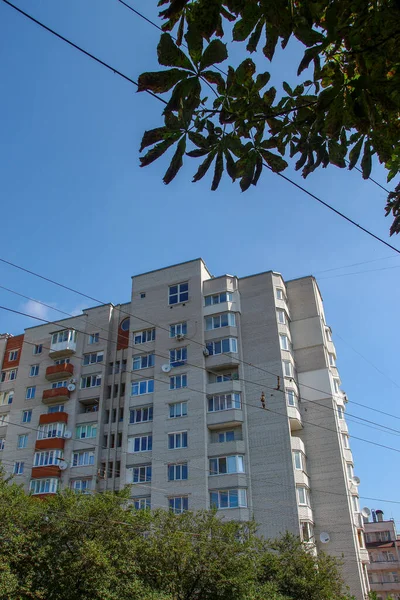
98 547
343 110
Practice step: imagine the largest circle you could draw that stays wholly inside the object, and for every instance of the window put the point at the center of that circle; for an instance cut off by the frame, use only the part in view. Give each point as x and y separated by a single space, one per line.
355 502
67 335
178 409
177 440
178 504
303 496
345 440
95 357
59 384
46 458
50 430
177 472
88 430
226 464
44 486
141 474
34 371
141 337
218 298
287 368
6 397
37 349
18 468
2 443
178 293
62 361
284 340
226 436
340 411
279 294
143 295
9 375
299 460
350 470
360 537
307 531
141 415
177 382
331 358
81 486
223 320
125 324
221 346
178 329
13 355
3 419
141 503
146 386
89 381
336 385
83 458
228 498
141 443
224 377
291 397
281 315
94 338
177 357
328 334
55 408
143 361
22 441
224 402
26 416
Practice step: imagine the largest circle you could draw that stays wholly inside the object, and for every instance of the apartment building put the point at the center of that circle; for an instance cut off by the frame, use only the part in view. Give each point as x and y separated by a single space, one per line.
383 545
201 391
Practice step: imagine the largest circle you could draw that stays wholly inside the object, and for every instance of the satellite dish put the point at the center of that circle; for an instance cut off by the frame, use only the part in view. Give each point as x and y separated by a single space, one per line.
356 480
166 368
365 512
63 465
71 387
67 434
324 537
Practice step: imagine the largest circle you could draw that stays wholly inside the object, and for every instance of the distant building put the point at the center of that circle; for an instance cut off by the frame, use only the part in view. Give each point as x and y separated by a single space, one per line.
383 546
200 391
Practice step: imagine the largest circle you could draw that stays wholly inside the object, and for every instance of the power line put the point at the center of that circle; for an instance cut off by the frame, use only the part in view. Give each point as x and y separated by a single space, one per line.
300 187
359 272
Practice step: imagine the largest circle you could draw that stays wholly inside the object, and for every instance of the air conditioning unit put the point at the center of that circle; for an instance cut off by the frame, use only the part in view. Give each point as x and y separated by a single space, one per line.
206 352
180 337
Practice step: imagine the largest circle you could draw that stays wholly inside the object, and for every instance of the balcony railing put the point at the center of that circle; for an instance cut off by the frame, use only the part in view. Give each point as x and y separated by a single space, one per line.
55 372
61 393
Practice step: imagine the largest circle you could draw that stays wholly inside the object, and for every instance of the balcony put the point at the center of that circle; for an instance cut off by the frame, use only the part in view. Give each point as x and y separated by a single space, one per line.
224 418
44 472
294 418
53 443
385 586
60 417
63 343
61 394
55 372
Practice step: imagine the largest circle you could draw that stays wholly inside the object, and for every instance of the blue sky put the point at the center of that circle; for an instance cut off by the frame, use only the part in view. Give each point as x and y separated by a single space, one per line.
75 206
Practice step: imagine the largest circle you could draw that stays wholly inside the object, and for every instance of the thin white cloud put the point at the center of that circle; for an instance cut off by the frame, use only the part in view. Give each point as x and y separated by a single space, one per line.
38 310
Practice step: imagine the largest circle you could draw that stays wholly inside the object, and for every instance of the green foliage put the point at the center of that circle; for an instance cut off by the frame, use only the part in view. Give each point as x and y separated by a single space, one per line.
97 547
346 113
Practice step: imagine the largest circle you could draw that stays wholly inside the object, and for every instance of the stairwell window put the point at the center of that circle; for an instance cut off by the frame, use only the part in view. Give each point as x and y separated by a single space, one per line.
218 298
227 464
303 496
177 357
177 440
178 409
178 504
139 388
178 293
227 319
83 458
235 498
279 294
177 382
143 361
30 393
93 358
141 443
222 346
142 337
18 468
90 381
141 474
178 472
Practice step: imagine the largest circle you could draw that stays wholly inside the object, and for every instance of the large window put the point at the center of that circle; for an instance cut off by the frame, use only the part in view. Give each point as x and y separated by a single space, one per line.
303 495
141 474
81 486
178 293
224 402
177 357
87 430
177 472
141 443
218 298
22 441
224 320
9 375
67 335
44 486
89 381
26 416
178 504
18 468
37 349
178 329
50 430
59 384
143 361
139 388
226 464
83 458
34 371
141 337
228 498
141 415
93 358
221 346
177 440
299 460
178 409
177 382
141 503
48 457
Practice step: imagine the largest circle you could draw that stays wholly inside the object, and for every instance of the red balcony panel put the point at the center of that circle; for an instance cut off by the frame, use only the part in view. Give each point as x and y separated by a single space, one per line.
61 393
59 417
14 342
59 371
42 496
50 444
44 472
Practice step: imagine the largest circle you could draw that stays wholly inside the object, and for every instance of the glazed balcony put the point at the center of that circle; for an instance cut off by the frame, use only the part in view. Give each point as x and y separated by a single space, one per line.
55 372
294 418
57 394
63 343
53 443
59 417
45 472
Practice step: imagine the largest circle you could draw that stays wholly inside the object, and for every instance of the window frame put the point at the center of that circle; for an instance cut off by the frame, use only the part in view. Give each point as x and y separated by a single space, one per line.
174 501
50 484
140 410
97 377
143 334
306 492
301 460
76 454
213 322
291 393
232 398
214 350
219 298
230 497
98 358
182 296
143 441
182 326
146 361
178 471
178 356
22 441
147 471
174 436
30 392
217 464
175 404
46 458
143 384
290 371
279 312
87 429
